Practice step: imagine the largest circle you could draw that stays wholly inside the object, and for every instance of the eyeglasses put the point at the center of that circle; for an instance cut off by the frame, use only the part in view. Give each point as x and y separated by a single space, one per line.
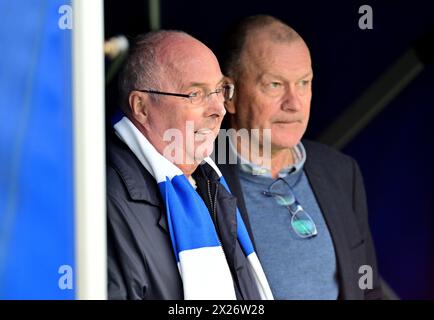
301 222
200 96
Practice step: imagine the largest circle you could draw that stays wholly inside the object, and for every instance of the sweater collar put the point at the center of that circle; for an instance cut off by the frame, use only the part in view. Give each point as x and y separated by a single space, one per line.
298 152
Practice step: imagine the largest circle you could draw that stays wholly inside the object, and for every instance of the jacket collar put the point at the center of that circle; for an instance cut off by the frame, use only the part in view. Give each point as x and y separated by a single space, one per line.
140 184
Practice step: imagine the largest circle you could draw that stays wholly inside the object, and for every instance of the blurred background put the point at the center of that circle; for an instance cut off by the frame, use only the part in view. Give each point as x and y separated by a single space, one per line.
373 98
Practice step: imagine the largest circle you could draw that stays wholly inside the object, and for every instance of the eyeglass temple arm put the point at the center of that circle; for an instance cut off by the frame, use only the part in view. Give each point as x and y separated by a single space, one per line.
166 93
294 207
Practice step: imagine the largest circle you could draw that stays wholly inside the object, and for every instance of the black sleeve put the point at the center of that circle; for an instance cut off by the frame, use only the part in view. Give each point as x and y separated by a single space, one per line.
122 258
361 209
116 282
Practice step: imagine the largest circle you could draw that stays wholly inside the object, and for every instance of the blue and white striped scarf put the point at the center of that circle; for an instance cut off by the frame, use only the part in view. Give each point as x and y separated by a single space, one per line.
201 261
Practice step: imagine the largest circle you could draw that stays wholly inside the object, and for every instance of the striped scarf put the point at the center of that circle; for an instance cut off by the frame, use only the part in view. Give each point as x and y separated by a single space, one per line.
201 261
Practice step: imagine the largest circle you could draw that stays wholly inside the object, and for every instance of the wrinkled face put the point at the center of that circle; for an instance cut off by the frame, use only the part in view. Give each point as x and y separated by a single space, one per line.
179 129
274 91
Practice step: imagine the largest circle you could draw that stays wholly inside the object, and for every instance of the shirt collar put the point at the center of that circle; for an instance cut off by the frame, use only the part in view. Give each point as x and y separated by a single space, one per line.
298 152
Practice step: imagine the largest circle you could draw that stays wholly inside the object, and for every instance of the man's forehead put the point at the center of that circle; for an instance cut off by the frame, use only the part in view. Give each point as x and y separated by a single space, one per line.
197 72
178 51
271 56
267 48
204 82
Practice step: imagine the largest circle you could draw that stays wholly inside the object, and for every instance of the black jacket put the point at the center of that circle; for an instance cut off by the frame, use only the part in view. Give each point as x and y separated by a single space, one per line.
141 262
338 187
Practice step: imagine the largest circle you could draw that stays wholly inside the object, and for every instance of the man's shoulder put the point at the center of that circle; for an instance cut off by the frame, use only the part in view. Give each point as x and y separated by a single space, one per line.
126 176
120 162
321 149
320 152
117 169
326 160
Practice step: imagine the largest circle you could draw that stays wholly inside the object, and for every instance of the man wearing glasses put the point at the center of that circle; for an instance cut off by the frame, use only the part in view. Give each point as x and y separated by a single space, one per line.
174 231
305 204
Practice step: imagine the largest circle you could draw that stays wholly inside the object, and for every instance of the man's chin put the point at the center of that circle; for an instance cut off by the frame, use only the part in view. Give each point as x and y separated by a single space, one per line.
288 144
286 140
201 151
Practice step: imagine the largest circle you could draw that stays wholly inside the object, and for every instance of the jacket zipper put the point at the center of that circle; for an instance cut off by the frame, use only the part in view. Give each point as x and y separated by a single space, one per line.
214 214
213 203
213 206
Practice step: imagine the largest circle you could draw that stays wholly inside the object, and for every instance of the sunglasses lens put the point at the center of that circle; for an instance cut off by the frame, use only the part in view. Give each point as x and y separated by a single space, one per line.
301 222
303 225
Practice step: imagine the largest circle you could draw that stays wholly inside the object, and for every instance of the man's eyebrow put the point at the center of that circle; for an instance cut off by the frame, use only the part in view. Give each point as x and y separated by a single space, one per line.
310 73
271 75
280 77
203 84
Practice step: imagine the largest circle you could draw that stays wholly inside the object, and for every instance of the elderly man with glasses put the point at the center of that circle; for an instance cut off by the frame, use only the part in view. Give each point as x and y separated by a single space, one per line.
305 203
174 230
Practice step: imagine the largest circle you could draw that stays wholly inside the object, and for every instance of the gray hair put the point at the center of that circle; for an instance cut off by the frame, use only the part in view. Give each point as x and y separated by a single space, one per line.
236 38
141 69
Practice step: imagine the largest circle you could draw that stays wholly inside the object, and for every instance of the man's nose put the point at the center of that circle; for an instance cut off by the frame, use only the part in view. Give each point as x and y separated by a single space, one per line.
291 100
216 106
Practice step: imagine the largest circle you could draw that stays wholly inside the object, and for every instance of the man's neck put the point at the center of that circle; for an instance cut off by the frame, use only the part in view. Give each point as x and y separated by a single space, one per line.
280 158
187 169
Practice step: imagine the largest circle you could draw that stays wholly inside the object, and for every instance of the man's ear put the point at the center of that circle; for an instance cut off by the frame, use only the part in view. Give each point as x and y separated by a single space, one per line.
230 105
139 106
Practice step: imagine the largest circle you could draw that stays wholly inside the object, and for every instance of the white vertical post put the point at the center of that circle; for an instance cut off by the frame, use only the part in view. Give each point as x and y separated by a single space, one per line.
89 149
